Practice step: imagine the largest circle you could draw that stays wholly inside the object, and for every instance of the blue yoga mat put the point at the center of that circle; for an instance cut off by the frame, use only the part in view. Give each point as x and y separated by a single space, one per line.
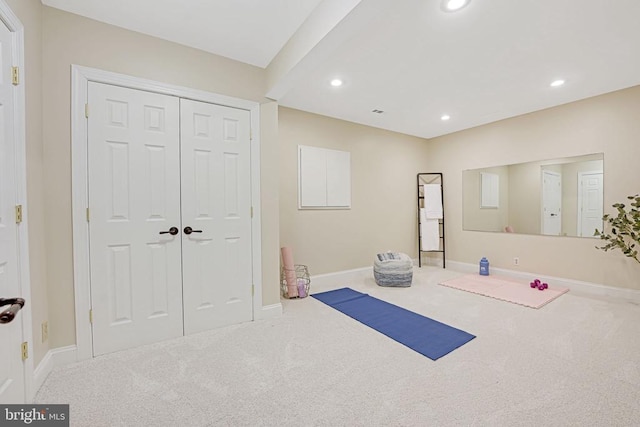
426 336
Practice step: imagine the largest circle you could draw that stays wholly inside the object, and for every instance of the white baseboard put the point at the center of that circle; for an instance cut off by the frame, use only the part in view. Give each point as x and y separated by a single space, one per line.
590 288
64 355
272 311
428 261
339 279
55 357
43 370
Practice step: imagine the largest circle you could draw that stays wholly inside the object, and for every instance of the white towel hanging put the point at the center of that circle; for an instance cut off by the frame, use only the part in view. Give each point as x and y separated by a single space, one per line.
430 235
432 201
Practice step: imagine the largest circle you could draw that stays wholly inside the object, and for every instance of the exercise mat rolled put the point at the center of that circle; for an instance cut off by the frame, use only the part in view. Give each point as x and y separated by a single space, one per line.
289 272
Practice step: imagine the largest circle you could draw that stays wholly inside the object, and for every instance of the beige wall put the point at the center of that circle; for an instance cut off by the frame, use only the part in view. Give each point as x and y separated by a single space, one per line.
524 197
383 207
605 124
270 215
29 13
70 39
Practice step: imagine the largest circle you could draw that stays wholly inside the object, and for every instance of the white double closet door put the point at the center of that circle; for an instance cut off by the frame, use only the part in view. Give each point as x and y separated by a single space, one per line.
170 216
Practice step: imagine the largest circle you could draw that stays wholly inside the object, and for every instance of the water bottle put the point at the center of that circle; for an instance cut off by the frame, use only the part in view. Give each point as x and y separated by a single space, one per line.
484 267
302 291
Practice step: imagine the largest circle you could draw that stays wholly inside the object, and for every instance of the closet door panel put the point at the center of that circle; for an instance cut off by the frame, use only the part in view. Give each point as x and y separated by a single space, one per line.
134 195
216 204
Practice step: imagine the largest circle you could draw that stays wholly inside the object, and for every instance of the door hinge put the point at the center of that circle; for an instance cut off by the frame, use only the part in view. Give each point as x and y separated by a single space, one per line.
253 289
88 215
91 316
15 76
250 134
251 211
25 350
86 110
18 214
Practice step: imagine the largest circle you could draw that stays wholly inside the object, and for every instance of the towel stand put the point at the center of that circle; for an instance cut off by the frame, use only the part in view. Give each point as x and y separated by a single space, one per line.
422 179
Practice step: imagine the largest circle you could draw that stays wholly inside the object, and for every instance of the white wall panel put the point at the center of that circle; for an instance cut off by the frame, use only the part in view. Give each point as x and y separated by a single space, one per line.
154 118
159 258
230 129
231 185
202 175
324 178
157 181
119 177
117 113
119 284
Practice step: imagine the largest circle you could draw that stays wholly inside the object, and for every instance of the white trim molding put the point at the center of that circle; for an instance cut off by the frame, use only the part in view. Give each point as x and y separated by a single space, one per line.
272 311
593 289
42 372
338 279
80 78
55 357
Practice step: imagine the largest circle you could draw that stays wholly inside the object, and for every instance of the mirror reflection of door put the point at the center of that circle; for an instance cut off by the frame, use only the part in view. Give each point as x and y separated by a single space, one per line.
551 203
590 191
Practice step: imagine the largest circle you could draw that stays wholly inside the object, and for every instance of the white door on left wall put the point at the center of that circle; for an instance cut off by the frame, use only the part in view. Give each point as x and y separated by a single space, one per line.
12 387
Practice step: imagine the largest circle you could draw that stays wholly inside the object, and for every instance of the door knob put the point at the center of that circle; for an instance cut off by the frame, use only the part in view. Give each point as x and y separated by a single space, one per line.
173 231
189 230
9 314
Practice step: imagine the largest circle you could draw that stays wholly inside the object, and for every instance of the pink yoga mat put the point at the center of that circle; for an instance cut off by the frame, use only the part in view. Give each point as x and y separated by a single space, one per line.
505 289
289 272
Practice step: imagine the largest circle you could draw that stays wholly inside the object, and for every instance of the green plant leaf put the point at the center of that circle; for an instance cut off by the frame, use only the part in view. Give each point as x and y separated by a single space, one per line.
625 228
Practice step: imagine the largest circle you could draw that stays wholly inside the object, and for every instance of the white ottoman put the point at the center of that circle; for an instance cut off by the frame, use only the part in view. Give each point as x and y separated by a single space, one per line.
393 269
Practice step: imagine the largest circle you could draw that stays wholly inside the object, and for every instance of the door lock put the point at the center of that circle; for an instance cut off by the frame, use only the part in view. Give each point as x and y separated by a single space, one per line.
189 230
173 231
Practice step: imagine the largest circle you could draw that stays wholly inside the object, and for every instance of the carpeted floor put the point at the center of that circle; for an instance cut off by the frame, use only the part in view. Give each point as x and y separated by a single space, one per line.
573 362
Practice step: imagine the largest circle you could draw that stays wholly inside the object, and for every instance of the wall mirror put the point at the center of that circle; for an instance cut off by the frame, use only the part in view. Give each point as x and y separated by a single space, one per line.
558 197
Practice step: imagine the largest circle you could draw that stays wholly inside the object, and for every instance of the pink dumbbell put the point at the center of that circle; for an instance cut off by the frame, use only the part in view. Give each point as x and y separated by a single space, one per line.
538 284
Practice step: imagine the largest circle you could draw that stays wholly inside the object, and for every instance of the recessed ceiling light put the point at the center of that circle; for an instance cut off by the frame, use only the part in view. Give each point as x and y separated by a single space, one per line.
453 5
336 82
445 117
557 83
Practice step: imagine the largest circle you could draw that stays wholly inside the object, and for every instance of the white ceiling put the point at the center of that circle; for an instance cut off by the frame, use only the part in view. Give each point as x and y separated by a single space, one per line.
250 31
492 60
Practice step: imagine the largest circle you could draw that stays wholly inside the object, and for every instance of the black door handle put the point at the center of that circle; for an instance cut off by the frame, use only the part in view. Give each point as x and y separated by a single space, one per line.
189 230
173 231
9 314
